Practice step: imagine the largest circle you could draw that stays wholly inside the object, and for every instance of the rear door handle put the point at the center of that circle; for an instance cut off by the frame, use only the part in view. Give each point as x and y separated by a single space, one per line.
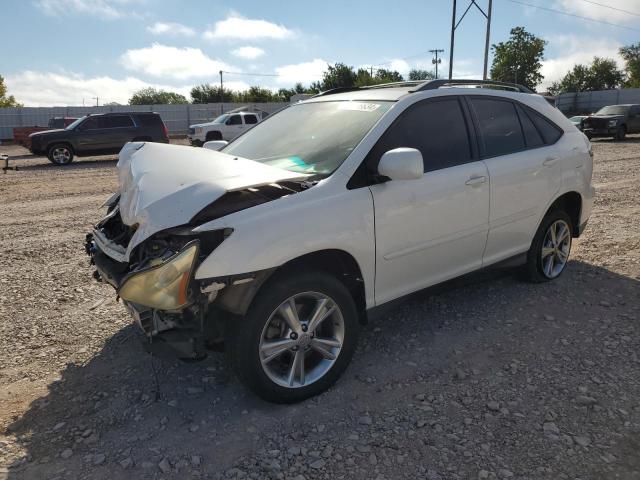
477 180
550 161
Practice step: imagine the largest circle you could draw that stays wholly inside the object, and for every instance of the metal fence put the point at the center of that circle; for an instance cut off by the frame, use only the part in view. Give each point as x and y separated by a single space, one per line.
588 102
177 118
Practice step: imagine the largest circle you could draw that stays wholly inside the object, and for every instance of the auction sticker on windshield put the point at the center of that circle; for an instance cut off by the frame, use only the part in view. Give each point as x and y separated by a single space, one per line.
359 106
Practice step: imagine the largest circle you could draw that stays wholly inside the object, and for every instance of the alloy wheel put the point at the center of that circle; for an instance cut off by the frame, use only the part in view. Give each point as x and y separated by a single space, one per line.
302 339
555 248
61 155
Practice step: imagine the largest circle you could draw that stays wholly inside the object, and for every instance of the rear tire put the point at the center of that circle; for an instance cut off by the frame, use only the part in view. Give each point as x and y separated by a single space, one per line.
310 356
549 252
621 133
60 154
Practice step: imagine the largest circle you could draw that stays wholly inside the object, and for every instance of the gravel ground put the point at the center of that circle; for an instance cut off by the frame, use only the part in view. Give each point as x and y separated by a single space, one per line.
485 377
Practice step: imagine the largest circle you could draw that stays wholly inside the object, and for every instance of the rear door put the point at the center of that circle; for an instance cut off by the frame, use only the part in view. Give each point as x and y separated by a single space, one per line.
524 168
434 228
118 130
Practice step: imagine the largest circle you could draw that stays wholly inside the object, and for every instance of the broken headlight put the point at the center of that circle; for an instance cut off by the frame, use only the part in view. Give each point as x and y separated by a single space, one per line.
164 286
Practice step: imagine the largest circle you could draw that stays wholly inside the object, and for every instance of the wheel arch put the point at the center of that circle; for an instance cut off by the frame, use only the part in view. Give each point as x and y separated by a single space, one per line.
61 142
570 202
342 265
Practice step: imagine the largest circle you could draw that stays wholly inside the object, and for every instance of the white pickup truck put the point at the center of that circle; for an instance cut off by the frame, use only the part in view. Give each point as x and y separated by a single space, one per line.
226 127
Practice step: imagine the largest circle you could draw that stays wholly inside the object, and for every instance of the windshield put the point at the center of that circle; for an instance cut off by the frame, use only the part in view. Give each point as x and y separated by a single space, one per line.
74 124
310 138
612 110
220 119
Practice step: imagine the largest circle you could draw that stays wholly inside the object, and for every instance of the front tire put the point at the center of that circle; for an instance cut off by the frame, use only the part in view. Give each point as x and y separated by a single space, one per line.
297 337
550 248
60 154
213 136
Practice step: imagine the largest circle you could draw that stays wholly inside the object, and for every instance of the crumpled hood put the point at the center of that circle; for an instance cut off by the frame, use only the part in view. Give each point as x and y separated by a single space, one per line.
164 186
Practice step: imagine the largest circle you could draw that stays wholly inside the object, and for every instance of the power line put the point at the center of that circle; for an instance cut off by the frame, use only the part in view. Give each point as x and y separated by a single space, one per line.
612 8
569 14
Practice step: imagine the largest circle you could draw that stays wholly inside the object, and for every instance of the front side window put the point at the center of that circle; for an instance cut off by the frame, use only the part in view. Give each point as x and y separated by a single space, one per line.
435 127
235 120
311 137
500 130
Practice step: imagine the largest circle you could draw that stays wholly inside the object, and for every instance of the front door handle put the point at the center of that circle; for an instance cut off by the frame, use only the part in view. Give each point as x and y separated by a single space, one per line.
476 180
550 161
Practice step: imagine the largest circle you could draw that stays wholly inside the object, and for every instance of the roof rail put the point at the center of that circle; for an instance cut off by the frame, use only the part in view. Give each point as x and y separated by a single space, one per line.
442 82
331 91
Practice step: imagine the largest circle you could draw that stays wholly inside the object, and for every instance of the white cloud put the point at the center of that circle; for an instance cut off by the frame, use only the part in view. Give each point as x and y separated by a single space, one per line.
172 62
171 29
576 49
248 53
305 72
235 27
107 9
616 12
46 89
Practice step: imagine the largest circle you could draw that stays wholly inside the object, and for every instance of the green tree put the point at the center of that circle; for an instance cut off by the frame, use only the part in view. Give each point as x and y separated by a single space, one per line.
337 75
601 74
519 59
631 56
257 95
210 94
152 96
417 74
6 101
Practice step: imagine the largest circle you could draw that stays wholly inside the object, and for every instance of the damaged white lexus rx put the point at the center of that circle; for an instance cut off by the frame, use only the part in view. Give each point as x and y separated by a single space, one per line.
280 245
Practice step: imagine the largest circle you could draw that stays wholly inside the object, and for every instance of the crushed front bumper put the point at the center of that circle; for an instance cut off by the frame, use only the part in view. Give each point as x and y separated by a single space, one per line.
167 334
600 132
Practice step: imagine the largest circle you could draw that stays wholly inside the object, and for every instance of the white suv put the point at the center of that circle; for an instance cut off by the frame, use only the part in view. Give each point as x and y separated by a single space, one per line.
225 127
281 244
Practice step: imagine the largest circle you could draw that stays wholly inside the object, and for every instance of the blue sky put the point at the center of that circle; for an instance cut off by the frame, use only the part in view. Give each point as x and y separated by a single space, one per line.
59 52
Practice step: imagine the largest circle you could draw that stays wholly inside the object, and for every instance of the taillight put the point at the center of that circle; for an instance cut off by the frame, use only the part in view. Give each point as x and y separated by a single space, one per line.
165 130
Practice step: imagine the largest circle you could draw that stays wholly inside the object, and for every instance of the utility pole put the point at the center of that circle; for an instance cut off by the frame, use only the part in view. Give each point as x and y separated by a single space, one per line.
435 61
453 33
486 45
96 99
221 95
455 24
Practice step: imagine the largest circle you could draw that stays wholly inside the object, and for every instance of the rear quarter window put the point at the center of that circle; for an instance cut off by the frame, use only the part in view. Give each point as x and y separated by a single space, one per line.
149 120
550 132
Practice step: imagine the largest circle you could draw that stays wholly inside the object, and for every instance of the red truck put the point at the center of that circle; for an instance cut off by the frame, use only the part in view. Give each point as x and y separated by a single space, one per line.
21 134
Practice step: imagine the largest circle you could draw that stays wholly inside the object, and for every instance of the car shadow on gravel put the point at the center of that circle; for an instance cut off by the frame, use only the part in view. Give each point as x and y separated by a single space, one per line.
121 413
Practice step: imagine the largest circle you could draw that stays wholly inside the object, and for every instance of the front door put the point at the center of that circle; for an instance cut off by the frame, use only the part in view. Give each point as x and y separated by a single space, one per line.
434 228
233 126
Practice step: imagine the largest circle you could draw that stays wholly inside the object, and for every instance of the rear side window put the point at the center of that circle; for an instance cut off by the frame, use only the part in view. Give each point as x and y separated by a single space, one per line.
234 120
149 120
550 132
435 127
500 129
532 137
250 119
115 121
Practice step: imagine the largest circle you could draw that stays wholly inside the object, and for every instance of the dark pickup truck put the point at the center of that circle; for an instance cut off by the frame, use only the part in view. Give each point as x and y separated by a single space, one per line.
613 121
98 134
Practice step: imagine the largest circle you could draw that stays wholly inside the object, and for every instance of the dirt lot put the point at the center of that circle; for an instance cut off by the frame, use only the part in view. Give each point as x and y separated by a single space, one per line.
487 377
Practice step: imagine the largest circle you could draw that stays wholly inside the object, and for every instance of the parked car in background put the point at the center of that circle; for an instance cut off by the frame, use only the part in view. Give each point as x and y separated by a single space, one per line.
98 134
577 121
21 134
613 121
283 242
225 127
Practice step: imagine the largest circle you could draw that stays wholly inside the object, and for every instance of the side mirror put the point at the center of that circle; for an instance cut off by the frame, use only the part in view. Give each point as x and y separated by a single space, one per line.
215 144
402 164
